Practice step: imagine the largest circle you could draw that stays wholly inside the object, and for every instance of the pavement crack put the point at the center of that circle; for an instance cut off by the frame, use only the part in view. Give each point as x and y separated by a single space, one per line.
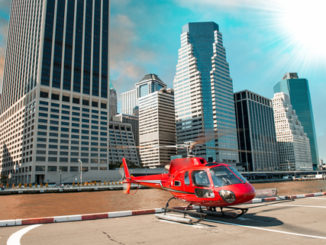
111 239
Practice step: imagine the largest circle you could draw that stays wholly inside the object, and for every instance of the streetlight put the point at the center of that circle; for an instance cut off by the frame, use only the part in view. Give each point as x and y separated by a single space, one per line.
81 171
60 172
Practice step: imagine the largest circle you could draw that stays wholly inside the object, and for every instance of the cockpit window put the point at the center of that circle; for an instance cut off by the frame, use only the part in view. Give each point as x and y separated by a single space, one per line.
222 176
187 181
200 178
238 174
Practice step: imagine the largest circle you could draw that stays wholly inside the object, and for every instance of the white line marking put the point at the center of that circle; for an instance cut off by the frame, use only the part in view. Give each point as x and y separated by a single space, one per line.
319 198
199 226
14 239
298 205
264 229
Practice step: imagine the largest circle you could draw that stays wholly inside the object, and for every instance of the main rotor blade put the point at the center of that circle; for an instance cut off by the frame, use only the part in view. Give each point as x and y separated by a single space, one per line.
238 150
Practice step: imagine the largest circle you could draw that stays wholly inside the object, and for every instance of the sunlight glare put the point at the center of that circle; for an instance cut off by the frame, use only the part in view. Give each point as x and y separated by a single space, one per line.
303 24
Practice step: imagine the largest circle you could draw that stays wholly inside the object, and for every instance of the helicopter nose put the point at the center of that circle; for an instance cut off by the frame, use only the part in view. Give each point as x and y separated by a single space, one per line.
248 193
244 192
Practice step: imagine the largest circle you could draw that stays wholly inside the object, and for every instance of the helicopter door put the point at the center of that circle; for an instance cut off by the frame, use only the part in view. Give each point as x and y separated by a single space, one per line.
200 179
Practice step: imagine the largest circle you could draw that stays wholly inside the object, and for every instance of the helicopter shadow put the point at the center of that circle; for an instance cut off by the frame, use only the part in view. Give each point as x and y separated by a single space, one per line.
250 219
253 218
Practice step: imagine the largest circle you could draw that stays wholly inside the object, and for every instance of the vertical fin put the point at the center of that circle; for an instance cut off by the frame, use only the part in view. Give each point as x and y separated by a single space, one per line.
127 180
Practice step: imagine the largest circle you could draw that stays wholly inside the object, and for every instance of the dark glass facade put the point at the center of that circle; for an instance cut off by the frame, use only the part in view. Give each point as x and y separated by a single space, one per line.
75 47
256 132
298 90
47 48
78 46
58 44
68 45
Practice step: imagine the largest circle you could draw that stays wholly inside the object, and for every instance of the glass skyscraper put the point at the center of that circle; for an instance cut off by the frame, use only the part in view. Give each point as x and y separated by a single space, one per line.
256 132
55 90
204 93
298 90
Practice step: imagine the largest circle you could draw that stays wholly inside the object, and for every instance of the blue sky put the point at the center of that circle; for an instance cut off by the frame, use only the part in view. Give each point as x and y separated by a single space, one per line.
261 40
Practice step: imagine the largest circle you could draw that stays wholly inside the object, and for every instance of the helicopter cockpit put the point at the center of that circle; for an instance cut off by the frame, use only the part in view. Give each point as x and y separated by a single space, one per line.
221 176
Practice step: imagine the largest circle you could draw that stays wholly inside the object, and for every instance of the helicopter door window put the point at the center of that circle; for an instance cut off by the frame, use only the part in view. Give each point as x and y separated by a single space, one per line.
187 180
200 178
177 183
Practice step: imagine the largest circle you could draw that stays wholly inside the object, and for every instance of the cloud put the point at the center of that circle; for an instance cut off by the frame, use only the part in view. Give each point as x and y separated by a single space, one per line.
4 19
229 5
322 146
3 42
127 58
5 5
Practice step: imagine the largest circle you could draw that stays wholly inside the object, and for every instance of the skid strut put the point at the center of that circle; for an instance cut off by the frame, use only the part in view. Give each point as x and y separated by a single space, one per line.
213 212
185 211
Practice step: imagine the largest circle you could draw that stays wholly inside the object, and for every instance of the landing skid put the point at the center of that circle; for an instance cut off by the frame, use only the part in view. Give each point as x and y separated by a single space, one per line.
213 212
199 214
196 217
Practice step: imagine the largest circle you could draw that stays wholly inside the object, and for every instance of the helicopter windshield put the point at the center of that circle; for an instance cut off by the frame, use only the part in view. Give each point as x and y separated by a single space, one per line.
222 176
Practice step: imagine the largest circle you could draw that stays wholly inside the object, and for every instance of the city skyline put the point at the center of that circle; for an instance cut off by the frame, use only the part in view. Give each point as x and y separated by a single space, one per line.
256 61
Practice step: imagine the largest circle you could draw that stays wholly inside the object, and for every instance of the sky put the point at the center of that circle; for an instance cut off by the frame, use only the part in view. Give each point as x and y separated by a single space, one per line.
263 41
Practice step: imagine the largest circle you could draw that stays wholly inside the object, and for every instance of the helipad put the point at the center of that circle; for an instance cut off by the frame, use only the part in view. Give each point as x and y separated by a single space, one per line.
302 221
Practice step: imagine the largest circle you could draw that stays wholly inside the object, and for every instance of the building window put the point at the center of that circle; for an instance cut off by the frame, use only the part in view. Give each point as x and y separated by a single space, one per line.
39 168
75 100
55 96
66 98
44 94
94 103
74 169
85 102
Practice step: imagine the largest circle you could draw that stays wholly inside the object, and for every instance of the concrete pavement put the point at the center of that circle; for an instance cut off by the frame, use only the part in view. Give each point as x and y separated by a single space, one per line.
302 221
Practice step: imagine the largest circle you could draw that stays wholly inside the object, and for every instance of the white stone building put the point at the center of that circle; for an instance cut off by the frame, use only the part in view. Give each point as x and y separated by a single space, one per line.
157 128
293 143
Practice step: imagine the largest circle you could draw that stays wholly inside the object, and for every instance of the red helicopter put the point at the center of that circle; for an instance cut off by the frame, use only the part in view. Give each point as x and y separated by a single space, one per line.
197 182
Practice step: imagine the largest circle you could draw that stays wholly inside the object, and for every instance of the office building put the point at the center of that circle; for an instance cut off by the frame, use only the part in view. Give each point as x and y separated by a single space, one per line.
293 143
55 90
203 87
113 103
298 91
128 101
148 84
256 132
133 120
121 145
156 128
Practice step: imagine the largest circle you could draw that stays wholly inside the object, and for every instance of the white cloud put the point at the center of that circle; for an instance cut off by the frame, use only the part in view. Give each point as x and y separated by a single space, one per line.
127 59
227 5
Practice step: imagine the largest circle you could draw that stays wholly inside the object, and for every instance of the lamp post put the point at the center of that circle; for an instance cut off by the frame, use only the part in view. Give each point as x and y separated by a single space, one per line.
60 172
81 171
289 168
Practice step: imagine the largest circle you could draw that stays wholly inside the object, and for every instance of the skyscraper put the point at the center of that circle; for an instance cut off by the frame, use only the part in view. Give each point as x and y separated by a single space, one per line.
298 90
150 83
113 108
55 90
293 143
156 128
204 93
256 132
